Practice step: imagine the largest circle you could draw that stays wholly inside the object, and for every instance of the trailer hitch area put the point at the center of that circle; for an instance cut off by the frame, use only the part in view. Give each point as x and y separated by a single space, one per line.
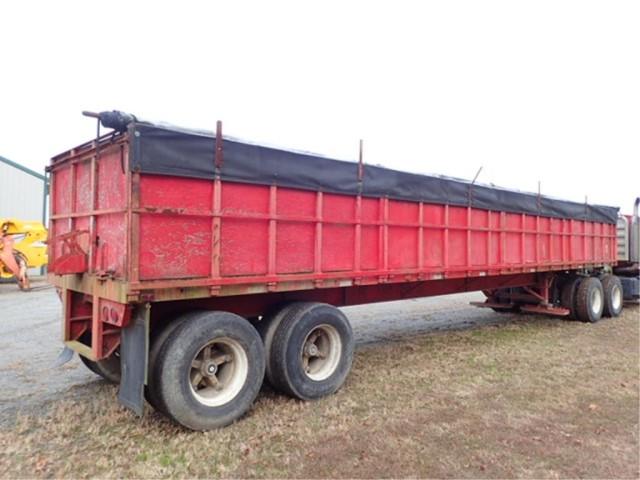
75 259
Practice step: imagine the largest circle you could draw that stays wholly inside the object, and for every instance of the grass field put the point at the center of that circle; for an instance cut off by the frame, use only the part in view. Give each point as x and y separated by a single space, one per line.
534 397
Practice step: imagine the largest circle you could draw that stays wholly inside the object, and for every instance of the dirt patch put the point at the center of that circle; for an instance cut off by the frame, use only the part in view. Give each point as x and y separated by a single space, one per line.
530 397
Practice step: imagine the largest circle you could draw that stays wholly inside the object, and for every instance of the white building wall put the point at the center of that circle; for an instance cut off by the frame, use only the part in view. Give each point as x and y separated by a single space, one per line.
20 194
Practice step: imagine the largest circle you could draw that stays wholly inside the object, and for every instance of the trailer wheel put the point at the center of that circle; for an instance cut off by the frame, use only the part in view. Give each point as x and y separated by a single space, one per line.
108 368
590 300
568 295
613 295
311 352
210 370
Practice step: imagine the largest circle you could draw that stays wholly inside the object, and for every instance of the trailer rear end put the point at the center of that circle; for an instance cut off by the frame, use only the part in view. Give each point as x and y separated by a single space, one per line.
192 264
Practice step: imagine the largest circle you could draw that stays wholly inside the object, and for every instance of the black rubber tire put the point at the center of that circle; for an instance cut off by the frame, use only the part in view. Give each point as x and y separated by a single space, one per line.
173 365
109 368
568 295
612 286
267 327
287 371
150 390
585 307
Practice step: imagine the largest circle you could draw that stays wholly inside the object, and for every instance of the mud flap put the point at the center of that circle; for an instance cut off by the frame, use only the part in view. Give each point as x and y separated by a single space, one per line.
134 348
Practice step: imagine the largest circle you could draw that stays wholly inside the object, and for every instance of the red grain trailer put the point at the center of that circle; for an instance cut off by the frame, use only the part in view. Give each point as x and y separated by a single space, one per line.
189 264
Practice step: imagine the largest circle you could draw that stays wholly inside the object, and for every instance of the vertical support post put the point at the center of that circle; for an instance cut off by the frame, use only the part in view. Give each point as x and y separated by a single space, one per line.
216 230
216 207
272 230
66 314
360 164
385 235
357 250
96 328
503 239
317 256
584 240
52 223
552 238
420 237
219 160
135 227
445 241
72 192
569 237
489 241
538 240
468 251
93 234
522 240
127 216
357 261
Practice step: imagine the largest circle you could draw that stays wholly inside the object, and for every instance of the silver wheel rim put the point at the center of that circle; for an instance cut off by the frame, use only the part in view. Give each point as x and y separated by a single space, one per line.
616 298
596 300
218 372
321 352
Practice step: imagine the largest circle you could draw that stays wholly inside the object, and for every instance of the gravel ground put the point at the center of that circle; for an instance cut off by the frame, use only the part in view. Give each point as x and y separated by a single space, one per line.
31 340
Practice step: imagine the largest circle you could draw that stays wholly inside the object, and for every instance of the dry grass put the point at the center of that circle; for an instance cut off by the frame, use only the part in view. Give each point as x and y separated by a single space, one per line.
536 398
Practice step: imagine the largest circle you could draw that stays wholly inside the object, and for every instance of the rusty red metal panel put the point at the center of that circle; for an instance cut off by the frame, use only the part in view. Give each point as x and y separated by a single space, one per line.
111 179
175 195
174 246
246 228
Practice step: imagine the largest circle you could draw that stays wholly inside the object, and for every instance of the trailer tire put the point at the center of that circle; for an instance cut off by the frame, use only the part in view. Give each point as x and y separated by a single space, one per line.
108 368
311 351
568 295
210 370
267 327
613 296
590 300
150 390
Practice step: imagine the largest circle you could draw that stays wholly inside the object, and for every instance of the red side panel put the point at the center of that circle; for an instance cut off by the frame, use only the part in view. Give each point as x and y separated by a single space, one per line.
249 233
164 231
174 237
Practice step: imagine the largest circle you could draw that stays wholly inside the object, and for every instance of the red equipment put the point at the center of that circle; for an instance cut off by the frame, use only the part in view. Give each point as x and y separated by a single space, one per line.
149 223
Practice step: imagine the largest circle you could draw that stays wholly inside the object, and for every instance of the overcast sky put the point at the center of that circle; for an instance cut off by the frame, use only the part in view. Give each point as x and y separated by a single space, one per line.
530 91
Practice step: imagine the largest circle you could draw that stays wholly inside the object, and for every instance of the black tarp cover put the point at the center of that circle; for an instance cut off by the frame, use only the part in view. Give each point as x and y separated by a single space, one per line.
165 150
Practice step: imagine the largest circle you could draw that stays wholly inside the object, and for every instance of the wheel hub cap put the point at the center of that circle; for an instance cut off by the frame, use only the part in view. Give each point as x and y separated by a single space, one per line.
218 372
211 369
321 352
